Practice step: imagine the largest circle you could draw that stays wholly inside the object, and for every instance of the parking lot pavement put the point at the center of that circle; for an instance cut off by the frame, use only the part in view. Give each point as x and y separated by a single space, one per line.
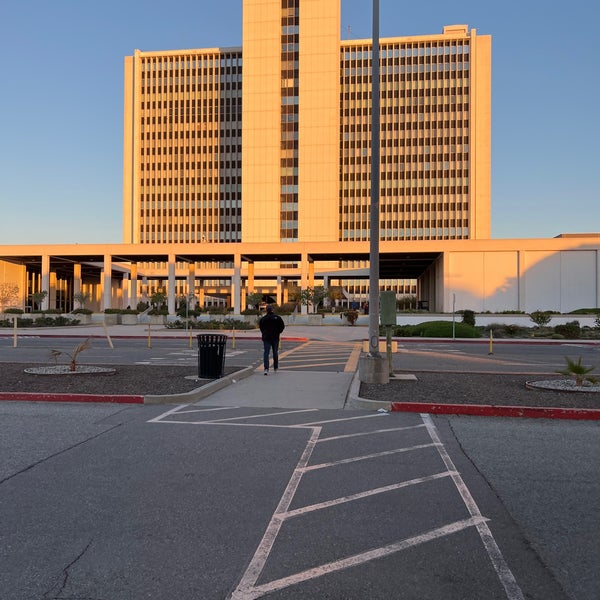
245 502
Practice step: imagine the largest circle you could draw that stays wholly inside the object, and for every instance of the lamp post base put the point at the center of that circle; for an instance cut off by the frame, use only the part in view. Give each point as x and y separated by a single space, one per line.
373 369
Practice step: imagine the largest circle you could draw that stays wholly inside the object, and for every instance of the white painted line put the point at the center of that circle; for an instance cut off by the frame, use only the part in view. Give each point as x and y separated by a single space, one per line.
369 416
227 424
198 410
366 457
264 548
382 490
351 435
505 575
302 365
166 414
273 414
355 560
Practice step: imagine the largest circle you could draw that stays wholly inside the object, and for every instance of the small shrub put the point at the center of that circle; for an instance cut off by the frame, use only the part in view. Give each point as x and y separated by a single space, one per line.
541 317
61 321
578 371
82 311
401 331
570 330
468 317
499 330
142 306
14 311
351 316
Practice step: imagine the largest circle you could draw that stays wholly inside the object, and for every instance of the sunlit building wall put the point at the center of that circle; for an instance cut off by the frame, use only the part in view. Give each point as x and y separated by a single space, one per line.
272 142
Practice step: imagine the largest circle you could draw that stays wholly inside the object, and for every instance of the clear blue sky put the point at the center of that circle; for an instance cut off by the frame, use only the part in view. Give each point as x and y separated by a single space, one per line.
61 104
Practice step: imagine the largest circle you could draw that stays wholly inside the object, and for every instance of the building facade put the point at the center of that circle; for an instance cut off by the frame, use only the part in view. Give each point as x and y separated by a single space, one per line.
271 142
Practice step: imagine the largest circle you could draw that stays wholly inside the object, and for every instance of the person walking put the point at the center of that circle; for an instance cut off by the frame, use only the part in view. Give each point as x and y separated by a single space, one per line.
271 326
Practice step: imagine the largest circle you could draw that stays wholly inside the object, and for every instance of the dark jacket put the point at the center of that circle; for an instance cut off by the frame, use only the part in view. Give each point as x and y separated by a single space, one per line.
271 325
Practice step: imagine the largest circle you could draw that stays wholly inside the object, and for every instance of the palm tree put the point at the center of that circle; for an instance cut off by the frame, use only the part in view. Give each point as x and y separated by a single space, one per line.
578 371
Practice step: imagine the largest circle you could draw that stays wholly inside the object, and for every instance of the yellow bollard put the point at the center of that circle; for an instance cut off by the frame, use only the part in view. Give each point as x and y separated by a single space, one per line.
149 340
15 332
190 338
491 343
233 339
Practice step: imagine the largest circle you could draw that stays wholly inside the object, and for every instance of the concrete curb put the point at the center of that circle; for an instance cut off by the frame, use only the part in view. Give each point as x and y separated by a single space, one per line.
354 401
201 392
484 410
43 397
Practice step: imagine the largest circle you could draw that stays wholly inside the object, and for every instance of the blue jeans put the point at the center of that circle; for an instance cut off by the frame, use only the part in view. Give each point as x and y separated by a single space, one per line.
268 346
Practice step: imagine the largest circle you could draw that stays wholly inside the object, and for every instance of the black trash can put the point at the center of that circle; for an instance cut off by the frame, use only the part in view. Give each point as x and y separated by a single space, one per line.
211 355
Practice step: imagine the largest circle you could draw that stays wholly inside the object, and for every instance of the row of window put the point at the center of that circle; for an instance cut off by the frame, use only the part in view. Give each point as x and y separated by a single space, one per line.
235 134
196 77
225 90
356 73
421 49
418 190
197 62
408 207
415 233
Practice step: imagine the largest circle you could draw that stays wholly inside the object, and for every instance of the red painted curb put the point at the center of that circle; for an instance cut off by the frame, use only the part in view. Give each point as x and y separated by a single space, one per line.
41 397
484 410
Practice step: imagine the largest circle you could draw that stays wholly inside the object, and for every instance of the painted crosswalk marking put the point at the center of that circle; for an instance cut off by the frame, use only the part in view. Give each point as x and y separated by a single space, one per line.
249 587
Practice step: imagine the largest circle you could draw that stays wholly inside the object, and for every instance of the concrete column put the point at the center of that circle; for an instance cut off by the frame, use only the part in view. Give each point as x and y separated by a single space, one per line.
191 285
107 282
133 285
236 284
285 297
125 291
279 291
171 285
52 290
46 280
201 295
250 282
76 278
304 278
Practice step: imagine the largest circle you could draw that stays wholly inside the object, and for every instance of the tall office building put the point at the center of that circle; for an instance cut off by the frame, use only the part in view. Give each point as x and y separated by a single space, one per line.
270 142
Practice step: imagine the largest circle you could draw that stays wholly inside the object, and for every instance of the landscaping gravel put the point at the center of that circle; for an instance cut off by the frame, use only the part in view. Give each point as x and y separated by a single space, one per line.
126 380
459 388
476 388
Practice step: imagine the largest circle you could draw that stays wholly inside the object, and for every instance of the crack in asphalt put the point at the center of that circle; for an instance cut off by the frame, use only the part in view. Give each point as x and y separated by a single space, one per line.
49 457
65 579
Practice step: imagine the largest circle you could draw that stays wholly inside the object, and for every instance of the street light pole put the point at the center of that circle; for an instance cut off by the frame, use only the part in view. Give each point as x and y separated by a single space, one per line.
373 367
374 214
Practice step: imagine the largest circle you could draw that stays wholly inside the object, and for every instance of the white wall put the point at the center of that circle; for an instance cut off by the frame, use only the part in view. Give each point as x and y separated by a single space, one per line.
526 280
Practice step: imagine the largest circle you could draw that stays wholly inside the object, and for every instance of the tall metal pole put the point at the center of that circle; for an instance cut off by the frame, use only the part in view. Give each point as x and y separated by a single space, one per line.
374 214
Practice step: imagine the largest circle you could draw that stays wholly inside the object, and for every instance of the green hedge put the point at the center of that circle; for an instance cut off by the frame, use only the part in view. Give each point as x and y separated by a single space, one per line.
436 329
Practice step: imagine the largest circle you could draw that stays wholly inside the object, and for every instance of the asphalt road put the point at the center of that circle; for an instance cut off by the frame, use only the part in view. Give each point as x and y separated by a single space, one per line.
460 356
108 503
